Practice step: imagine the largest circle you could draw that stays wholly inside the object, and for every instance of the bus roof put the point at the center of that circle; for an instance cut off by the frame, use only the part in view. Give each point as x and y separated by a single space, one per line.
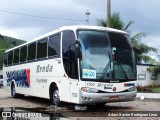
74 28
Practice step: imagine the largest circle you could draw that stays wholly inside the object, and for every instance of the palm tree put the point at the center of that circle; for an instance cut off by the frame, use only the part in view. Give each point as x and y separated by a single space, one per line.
142 48
117 23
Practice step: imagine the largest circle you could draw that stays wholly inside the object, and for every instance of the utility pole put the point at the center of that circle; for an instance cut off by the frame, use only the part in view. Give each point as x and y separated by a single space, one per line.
108 13
87 20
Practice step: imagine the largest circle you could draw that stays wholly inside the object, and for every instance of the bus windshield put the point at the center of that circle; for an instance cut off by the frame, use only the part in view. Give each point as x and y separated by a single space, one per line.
106 56
123 56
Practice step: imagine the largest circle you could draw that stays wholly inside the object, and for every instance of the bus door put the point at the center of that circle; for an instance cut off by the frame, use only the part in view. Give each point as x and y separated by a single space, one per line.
71 69
70 63
74 90
73 73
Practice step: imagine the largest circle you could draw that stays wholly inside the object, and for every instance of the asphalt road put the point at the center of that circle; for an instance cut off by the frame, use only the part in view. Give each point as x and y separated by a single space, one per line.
121 111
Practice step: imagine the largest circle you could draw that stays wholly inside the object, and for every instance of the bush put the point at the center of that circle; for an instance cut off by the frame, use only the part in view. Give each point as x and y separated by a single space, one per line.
148 88
155 69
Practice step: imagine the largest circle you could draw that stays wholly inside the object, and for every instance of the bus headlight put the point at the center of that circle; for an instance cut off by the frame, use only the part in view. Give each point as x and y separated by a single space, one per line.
89 90
132 89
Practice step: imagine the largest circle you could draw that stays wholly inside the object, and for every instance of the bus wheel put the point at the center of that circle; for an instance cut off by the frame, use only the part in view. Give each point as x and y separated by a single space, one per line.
100 104
55 97
13 90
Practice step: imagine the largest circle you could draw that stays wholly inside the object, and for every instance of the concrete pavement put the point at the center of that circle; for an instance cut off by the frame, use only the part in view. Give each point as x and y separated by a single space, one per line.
148 95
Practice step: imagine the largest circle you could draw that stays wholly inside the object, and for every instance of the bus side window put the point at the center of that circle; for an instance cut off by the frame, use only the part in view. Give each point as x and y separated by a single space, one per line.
31 51
16 56
1 76
54 45
42 48
5 59
10 57
23 54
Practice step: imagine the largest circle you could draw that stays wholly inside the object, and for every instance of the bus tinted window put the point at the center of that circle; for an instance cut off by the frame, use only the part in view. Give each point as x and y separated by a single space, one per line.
70 65
23 54
10 57
42 48
32 51
68 39
117 39
54 45
16 56
1 76
5 58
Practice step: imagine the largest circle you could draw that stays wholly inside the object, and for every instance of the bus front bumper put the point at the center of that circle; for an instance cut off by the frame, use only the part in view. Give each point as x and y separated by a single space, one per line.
93 98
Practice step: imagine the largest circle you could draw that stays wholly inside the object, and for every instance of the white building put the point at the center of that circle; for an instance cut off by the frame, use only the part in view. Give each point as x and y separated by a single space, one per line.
144 77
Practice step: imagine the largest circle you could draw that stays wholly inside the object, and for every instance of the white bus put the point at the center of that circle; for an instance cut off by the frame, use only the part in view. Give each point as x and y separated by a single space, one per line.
75 64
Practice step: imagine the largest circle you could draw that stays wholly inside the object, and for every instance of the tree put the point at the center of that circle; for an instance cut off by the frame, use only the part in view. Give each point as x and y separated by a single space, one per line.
156 67
3 46
117 23
142 48
6 43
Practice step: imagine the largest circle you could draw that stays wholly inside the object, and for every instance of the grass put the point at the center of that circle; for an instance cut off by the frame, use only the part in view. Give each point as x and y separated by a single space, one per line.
156 90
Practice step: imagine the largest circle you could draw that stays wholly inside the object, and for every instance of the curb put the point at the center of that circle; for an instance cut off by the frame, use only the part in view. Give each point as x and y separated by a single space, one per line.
142 96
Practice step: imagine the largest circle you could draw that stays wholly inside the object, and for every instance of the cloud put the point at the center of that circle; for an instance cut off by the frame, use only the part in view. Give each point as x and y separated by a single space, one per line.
52 8
68 9
9 32
29 32
144 13
153 41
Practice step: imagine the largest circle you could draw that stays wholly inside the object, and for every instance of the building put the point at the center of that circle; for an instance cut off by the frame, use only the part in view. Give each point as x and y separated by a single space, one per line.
145 78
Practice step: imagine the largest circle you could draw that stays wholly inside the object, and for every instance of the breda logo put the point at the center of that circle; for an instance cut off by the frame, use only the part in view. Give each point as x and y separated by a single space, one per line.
114 89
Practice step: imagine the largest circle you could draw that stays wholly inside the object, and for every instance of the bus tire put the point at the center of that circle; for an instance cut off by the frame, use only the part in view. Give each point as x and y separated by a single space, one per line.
13 92
100 104
55 97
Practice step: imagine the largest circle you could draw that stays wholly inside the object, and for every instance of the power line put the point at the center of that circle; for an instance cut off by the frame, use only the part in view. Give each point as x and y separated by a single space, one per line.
43 17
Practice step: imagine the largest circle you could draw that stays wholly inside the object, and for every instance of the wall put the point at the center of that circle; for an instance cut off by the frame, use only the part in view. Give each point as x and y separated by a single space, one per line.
145 77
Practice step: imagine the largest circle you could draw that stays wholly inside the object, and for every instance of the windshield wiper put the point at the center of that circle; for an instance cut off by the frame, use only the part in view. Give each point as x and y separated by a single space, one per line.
120 65
105 70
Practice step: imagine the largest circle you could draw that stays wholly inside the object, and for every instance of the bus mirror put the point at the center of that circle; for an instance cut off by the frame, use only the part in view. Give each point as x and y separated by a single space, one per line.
78 53
136 51
77 50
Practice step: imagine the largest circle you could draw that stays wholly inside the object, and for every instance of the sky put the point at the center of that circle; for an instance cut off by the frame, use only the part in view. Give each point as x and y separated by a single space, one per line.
52 14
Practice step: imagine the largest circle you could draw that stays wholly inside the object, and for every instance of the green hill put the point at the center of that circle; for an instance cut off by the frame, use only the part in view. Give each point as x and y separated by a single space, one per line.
6 43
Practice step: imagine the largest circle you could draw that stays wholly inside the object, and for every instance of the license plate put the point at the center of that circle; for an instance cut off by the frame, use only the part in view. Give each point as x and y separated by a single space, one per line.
113 98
